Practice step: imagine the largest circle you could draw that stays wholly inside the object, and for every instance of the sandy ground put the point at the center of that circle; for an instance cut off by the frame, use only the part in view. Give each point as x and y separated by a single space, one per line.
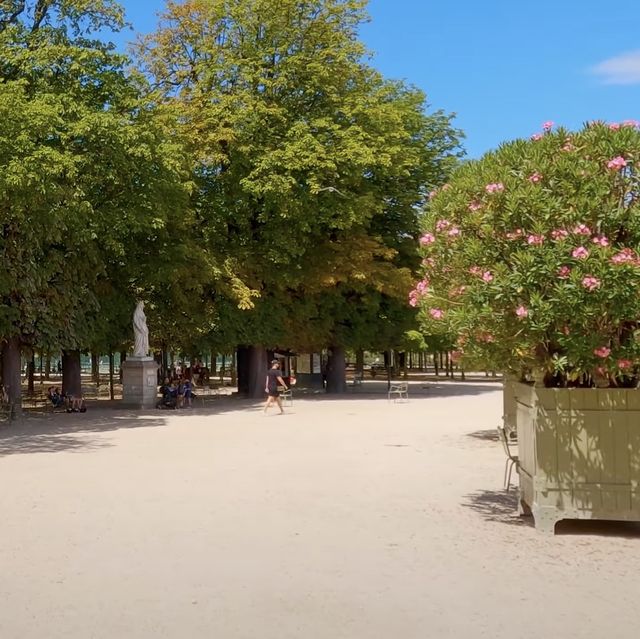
344 519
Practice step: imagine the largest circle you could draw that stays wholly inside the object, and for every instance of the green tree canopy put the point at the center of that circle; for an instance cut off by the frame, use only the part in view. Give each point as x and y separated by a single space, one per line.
310 165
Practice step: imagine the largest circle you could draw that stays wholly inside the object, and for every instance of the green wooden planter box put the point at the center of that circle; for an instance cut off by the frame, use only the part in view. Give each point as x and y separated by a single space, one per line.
579 453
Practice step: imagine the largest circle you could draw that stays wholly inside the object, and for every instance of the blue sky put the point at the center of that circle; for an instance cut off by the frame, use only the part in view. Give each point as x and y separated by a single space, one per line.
503 66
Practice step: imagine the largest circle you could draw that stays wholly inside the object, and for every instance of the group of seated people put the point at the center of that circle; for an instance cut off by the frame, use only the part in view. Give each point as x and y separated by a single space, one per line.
71 403
175 393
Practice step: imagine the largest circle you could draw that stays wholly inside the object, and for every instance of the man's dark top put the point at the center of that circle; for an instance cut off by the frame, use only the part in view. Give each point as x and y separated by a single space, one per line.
272 384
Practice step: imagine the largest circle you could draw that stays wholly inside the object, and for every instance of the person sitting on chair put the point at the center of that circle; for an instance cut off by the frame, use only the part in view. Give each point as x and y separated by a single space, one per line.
188 391
55 397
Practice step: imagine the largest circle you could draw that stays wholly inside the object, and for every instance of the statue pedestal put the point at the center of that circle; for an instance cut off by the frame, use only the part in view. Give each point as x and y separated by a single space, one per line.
140 382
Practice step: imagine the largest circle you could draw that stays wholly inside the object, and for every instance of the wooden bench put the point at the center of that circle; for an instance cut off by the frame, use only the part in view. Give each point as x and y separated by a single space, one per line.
398 391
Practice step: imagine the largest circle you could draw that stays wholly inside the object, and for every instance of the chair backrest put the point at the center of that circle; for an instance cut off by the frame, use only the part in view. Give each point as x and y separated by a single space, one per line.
502 436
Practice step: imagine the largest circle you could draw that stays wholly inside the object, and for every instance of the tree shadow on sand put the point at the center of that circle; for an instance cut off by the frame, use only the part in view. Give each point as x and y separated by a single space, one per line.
497 505
69 431
488 435
501 507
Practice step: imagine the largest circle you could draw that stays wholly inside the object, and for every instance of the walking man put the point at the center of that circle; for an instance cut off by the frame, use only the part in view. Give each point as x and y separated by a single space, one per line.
273 381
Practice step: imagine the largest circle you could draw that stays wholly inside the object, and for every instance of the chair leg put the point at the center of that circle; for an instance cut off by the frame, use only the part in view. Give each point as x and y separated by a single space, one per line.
511 463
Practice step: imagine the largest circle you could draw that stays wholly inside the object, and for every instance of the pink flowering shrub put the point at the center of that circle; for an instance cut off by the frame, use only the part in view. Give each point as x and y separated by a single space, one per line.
543 278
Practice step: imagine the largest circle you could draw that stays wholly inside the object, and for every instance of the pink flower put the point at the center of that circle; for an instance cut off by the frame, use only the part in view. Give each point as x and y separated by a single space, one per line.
582 229
548 125
601 240
617 163
475 206
522 311
624 363
422 286
535 178
632 123
436 313
433 193
458 291
603 352
536 136
454 231
535 240
495 187
580 253
456 356
625 256
518 233
614 126
427 238
475 270
559 234
487 277
429 262
441 225
564 272
590 283
413 301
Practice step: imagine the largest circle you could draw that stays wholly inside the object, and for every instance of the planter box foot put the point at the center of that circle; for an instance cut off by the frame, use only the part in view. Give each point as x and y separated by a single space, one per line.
523 508
545 519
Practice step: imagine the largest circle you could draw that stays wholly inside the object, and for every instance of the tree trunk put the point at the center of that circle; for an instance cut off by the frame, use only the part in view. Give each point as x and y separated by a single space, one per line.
111 367
214 363
256 372
242 369
436 370
31 373
47 366
359 363
71 373
95 368
336 370
233 372
11 360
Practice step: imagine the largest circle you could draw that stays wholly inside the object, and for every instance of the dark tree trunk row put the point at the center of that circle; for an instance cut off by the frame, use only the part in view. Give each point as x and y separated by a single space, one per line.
71 378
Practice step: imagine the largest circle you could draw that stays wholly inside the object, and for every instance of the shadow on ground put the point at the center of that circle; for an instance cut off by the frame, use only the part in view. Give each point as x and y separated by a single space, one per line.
489 435
69 431
497 505
501 506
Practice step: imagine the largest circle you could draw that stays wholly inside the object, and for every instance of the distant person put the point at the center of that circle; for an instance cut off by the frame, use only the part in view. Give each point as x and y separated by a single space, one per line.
55 397
272 384
188 392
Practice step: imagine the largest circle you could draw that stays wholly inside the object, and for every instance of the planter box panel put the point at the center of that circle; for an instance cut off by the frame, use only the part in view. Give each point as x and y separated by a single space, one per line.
633 400
633 448
579 453
622 451
509 405
526 438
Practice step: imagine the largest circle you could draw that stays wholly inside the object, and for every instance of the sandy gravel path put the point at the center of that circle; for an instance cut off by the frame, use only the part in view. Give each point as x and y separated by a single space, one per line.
344 519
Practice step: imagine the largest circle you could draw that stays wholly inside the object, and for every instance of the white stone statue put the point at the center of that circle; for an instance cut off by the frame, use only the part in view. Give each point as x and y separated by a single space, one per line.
141 332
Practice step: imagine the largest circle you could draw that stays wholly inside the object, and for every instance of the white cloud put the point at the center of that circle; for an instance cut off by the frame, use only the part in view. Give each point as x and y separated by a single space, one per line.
623 69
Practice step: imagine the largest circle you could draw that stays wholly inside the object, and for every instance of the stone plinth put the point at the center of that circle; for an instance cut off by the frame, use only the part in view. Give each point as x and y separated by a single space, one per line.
140 382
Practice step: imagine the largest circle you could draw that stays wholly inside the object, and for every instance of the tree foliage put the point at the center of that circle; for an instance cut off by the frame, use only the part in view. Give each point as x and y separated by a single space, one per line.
531 256
310 165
